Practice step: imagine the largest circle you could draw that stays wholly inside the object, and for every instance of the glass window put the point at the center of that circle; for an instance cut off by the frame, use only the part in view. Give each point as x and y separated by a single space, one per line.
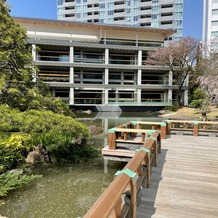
179 15
78 8
215 1
215 12
214 33
102 5
135 18
178 22
78 1
179 7
102 13
110 13
179 31
110 5
78 15
128 11
110 20
155 9
60 2
215 23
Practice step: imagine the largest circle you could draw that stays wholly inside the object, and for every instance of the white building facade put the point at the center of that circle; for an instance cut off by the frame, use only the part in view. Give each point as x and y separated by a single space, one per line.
166 14
100 66
210 22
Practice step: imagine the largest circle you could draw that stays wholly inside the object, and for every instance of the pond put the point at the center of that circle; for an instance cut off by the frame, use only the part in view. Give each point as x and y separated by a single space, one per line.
69 190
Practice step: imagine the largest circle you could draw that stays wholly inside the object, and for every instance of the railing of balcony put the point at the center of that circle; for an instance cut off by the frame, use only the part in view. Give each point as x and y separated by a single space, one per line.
53 58
155 82
123 62
89 60
102 41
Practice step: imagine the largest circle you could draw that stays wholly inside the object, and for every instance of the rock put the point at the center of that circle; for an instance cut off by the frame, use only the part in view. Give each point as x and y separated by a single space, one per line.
37 156
94 130
79 141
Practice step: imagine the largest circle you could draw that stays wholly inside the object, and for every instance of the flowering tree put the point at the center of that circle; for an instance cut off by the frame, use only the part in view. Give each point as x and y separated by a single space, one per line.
180 56
208 65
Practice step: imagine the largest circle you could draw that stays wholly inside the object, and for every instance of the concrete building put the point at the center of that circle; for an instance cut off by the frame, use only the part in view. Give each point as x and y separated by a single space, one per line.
100 66
167 14
210 23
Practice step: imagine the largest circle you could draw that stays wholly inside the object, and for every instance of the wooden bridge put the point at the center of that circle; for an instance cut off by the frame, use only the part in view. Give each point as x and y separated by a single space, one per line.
179 180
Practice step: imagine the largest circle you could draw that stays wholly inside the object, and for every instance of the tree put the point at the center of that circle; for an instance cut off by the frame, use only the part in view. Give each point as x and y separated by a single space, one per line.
180 56
17 88
208 65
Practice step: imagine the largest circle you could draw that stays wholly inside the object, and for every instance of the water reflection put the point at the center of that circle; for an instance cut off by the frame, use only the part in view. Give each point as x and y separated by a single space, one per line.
69 190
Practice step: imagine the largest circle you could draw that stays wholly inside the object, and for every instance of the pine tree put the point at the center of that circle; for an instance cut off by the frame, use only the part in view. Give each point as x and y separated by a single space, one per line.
17 88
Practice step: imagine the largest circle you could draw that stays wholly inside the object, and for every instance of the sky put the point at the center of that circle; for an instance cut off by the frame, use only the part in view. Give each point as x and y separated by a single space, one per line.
192 23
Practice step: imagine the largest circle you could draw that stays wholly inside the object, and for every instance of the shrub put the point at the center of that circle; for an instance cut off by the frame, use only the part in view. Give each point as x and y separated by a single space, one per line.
10 181
25 130
200 100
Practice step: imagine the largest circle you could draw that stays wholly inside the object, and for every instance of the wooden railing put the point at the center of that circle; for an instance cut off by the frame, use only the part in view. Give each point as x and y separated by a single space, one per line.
128 182
136 173
194 126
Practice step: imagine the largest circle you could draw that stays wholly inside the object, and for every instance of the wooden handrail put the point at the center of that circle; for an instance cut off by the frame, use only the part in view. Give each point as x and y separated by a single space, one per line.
196 126
110 203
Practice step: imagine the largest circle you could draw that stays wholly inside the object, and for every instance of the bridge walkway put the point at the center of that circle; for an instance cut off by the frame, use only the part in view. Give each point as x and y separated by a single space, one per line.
185 182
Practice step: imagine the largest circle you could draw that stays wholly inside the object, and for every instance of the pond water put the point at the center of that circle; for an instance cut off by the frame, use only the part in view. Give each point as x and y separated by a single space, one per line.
69 190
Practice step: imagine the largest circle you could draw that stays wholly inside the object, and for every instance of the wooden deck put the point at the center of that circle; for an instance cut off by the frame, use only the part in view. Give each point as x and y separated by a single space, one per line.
185 182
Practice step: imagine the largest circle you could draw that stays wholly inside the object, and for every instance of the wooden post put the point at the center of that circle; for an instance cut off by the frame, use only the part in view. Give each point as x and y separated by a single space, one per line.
148 170
143 137
134 126
112 139
125 136
205 126
163 130
133 198
168 127
118 209
195 132
155 152
119 135
173 125
186 125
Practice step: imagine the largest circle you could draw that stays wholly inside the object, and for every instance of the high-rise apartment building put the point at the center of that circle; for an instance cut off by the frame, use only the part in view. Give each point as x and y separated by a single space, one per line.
210 21
167 14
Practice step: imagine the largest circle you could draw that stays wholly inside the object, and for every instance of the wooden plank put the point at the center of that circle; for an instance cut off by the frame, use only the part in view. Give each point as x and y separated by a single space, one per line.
117 152
185 182
149 123
132 130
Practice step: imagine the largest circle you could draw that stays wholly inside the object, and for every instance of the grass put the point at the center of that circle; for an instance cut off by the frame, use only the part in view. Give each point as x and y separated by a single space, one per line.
192 113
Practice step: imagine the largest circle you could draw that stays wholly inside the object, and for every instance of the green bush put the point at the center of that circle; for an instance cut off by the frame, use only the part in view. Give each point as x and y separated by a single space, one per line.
173 108
25 130
200 100
10 181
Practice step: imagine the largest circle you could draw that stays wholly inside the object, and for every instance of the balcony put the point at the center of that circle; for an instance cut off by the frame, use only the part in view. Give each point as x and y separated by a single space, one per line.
53 58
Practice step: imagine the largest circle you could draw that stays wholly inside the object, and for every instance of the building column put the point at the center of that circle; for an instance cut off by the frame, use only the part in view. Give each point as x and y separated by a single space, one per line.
139 82
170 91
53 93
139 58
165 97
186 90
106 96
71 94
106 56
139 92
71 54
34 52
71 79
34 59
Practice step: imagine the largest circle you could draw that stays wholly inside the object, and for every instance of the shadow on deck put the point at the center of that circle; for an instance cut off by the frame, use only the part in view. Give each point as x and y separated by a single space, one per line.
147 206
